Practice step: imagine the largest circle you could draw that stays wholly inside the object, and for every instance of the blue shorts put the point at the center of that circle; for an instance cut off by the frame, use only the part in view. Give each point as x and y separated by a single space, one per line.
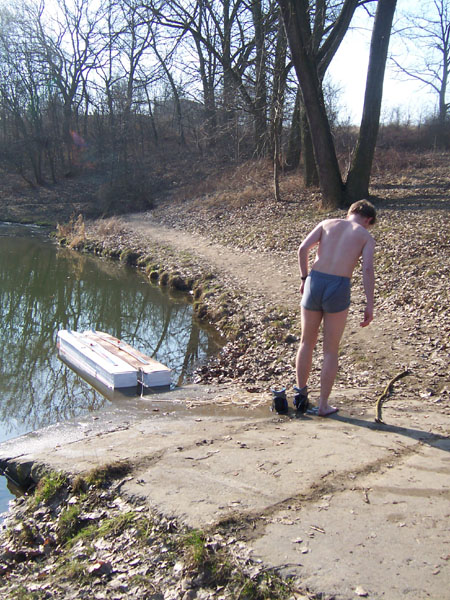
328 293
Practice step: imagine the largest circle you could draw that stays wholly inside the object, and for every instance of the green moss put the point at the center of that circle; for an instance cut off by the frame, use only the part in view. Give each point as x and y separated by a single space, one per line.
218 570
152 267
69 523
176 282
49 486
144 261
21 593
101 476
200 309
129 257
116 525
198 292
164 278
76 532
74 570
195 547
111 252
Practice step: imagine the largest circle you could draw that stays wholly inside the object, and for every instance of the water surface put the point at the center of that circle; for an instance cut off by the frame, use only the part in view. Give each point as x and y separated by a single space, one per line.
44 288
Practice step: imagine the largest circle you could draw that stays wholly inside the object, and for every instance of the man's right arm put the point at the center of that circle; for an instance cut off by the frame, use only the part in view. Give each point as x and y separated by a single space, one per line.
312 239
368 280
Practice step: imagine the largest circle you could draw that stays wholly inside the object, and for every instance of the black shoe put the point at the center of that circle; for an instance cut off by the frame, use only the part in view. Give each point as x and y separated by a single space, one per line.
301 402
279 401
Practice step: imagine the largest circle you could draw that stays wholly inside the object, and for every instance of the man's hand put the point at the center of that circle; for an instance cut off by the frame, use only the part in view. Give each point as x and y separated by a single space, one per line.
368 317
302 287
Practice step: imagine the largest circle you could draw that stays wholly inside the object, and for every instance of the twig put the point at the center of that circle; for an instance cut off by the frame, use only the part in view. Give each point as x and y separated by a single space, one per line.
319 529
386 392
207 455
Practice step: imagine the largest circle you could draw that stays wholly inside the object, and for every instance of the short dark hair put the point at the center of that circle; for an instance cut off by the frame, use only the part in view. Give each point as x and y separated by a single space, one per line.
365 209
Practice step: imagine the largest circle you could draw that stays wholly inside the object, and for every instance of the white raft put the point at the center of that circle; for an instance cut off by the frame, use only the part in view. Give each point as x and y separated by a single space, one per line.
114 363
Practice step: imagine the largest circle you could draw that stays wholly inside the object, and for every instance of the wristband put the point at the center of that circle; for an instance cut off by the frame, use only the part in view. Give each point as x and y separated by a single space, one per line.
304 278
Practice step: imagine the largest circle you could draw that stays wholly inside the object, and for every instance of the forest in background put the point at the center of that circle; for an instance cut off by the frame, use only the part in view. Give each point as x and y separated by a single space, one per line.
138 95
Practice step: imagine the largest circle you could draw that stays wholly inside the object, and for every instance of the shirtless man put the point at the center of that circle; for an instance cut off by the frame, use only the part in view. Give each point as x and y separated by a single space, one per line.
326 293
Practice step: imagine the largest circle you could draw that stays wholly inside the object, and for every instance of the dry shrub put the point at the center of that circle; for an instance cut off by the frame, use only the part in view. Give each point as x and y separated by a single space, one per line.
238 187
63 231
393 160
254 173
292 184
74 232
109 227
79 233
389 160
122 196
234 185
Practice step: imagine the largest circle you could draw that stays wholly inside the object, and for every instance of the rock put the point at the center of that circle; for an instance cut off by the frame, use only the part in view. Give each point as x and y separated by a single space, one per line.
100 568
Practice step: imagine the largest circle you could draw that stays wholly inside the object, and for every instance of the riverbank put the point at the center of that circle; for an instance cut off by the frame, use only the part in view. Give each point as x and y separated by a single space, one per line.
344 506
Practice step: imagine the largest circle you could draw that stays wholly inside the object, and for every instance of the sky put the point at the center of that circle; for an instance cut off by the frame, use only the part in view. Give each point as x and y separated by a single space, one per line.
407 98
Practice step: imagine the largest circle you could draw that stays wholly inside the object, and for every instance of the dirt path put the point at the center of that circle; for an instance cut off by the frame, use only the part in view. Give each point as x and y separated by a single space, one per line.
269 280
273 280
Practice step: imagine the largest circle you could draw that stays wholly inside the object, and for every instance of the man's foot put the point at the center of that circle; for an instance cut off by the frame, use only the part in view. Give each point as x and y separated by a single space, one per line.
301 402
327 410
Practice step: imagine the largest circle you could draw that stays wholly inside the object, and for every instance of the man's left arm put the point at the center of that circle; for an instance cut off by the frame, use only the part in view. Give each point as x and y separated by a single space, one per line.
368 280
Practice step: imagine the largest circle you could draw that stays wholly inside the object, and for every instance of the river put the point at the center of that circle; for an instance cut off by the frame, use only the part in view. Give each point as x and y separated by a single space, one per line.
44 288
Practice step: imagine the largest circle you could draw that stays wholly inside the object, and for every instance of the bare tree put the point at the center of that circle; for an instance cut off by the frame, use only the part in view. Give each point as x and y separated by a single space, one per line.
67 40
235 35
24 94
427 39
357 184
277 105
315 30
306 24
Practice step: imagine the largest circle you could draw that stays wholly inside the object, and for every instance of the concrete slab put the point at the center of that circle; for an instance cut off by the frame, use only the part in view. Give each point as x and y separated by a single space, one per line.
387 537
347 506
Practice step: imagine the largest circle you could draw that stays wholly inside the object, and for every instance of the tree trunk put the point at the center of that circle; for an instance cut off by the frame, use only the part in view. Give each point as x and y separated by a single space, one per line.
207 72
310 175
295 17
276 170
260 102
357 185
280 73
294 148
276 117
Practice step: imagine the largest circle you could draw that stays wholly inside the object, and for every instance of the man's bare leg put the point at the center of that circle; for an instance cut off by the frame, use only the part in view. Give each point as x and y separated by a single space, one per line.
311 320
333 328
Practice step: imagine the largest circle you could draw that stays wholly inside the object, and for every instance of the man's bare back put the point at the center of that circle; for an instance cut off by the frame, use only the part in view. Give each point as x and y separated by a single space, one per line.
341 243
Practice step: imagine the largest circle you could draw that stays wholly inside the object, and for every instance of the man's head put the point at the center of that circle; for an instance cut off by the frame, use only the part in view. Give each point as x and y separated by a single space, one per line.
364 208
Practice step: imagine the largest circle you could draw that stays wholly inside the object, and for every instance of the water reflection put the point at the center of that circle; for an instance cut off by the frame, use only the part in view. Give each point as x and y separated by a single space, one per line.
44 289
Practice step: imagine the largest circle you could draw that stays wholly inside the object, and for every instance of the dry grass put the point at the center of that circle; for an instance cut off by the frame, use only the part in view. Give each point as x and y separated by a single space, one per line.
233 187
109 227
74 231
241 186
